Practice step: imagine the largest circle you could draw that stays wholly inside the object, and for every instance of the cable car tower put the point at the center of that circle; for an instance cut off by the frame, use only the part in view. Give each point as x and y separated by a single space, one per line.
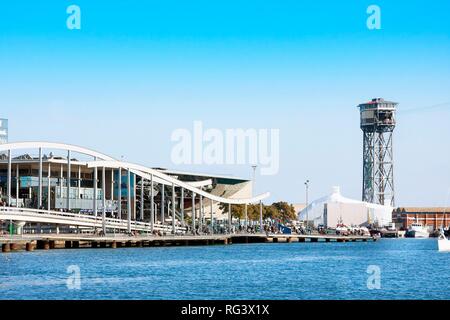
377 124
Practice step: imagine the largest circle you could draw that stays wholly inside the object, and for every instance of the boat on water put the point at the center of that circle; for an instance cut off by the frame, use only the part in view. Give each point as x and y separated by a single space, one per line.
417 230
342 229
444 232
443 243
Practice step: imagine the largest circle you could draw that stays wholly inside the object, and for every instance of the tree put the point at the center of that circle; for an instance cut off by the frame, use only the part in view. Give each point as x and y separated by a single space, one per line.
282 211
270 212
237 210
285 211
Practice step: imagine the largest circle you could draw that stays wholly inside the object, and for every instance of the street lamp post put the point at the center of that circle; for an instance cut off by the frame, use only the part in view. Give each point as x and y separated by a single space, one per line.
254 178
307 210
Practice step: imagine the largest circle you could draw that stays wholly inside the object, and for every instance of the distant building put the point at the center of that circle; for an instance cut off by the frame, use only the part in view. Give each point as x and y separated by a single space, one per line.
434 218
3 131
335 209
299 207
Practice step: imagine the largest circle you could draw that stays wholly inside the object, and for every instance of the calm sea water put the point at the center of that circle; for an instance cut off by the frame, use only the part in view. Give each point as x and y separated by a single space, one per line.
410 269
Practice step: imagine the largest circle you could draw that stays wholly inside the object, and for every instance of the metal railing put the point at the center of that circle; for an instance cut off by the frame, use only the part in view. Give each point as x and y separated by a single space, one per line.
79 219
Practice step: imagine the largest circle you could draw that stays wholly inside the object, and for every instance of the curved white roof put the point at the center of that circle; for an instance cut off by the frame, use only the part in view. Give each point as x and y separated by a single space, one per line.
103 160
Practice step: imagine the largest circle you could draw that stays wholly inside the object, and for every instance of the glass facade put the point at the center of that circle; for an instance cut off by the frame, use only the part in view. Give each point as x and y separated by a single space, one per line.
123 186
85 193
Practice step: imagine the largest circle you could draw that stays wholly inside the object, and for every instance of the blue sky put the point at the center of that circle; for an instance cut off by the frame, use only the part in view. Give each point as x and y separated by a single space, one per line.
138 70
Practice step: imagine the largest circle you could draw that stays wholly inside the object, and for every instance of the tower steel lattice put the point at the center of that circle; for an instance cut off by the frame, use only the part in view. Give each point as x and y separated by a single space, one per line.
377 124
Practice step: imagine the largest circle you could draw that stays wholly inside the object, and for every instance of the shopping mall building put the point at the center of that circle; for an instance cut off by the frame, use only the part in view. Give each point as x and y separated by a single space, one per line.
57 177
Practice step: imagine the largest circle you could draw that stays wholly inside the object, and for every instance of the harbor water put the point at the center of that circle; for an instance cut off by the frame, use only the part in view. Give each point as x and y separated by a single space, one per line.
386 269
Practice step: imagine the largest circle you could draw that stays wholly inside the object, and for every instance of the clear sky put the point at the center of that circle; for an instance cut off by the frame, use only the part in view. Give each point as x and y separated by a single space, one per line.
137 70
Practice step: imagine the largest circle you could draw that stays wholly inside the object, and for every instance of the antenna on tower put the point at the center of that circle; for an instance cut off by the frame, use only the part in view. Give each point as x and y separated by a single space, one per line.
377 124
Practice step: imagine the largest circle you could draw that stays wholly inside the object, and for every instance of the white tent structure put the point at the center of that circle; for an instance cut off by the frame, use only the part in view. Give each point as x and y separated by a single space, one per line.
334 209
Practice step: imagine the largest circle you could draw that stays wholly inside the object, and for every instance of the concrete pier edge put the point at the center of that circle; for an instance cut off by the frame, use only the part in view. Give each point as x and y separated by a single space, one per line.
61 241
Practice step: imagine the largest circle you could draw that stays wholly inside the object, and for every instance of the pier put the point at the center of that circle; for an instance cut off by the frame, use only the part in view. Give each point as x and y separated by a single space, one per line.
69 241
98 202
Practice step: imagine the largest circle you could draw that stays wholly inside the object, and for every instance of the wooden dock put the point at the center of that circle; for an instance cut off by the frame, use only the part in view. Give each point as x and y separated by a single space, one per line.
69 241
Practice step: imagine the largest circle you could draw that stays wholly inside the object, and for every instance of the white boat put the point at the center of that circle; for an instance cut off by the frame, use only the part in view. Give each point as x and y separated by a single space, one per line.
391 227
416 230
342 230
443 243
